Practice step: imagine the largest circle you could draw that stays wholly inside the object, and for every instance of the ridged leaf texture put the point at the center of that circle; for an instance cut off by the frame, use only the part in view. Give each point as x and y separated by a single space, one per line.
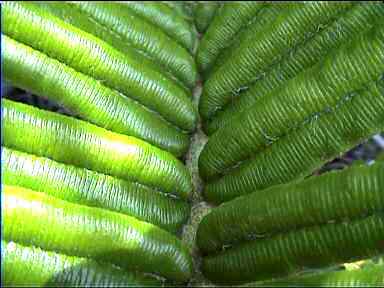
172 24
86 187
24 266
313 247
34 71
368 276
33 26
312 92
144 37
351 23
72 141
33 218
317 200
299 153
70 14
227 22
265 16
264 49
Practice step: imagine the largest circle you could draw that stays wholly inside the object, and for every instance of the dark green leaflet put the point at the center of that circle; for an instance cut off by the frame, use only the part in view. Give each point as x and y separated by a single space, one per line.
299 153
90 188
317 200
33 71
71 141
79 19
32 25
204 13
359 19
312 247
180 8
263 50
266 15
313 91
227 22
37 219
162 16
370 276
144 37
31 266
